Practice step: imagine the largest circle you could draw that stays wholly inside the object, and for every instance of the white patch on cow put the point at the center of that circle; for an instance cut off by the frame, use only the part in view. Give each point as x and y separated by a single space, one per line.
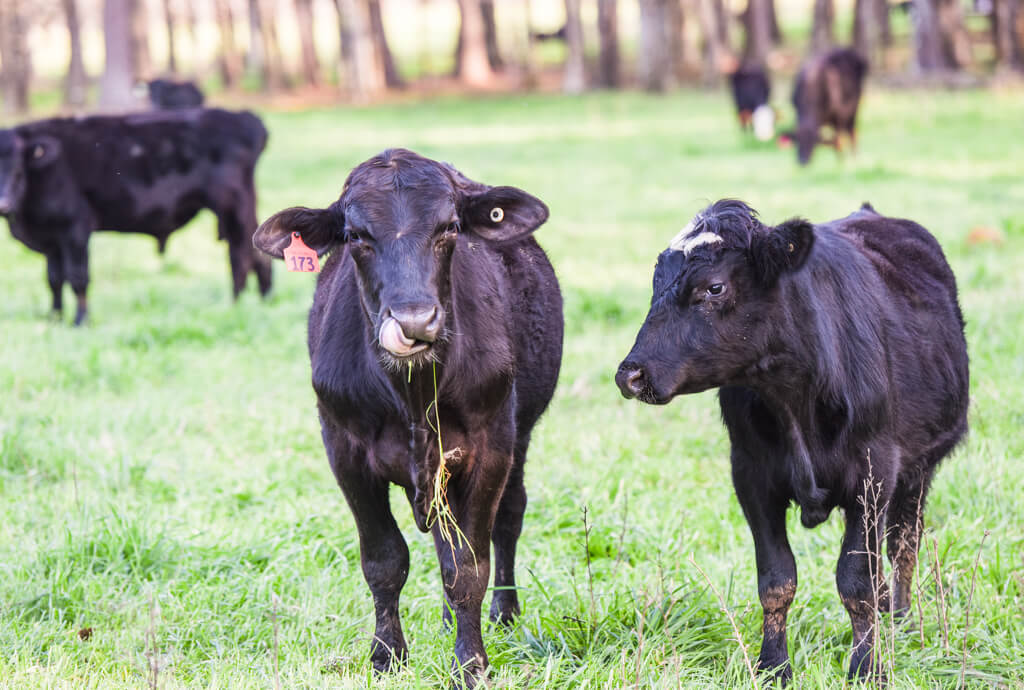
677 242
763 120
698 240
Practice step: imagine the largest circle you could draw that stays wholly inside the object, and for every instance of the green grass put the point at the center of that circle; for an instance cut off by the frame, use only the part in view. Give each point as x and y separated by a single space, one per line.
162 479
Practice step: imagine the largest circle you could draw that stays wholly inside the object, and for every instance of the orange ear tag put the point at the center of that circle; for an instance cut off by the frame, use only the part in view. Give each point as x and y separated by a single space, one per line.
299 258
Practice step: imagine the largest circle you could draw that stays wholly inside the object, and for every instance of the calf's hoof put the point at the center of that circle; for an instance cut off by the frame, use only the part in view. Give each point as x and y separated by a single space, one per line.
469 674
504 608
386 659
775 670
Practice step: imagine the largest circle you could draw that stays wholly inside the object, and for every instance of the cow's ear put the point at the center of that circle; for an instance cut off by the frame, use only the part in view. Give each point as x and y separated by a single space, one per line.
502 214
42 151
773 251
320 228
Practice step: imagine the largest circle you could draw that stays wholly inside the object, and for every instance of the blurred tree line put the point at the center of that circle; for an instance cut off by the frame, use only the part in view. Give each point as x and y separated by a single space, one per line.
668 42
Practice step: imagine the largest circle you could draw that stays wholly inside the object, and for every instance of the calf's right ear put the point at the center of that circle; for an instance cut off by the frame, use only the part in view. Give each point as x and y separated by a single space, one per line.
320 229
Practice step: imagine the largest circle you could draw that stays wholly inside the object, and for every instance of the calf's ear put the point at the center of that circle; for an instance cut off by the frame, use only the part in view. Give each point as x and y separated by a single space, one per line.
774 251
42 151
320 229
501 214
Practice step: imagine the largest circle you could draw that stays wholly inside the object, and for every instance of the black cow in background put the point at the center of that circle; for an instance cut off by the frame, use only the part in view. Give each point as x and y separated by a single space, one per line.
827 94
149 173
430 275
165 94
751 92
839 355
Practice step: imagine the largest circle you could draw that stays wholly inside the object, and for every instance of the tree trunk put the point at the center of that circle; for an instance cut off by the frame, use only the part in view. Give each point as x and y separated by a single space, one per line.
928 55
575 77
118 78
15 56
491 34
956 44
773 18
865 27
256 56
229 61
172 57
758 22
1008 50
716 51
364 74
472 65
608 30
823 29
277 77
682 53
142 64
76 83
392 78
884 23
310 64
654 64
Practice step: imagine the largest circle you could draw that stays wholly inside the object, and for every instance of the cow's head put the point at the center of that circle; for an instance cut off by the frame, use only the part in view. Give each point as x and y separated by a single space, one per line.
18 155
400 216
714 303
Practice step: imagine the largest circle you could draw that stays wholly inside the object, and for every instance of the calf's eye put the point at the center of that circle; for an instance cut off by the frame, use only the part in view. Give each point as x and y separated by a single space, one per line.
716 289
355 237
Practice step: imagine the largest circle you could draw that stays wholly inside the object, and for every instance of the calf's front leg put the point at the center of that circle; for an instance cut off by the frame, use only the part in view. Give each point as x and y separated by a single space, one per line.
860 583
465 564
382 549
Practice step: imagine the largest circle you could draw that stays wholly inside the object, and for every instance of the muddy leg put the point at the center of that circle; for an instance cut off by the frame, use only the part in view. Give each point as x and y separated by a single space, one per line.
507 527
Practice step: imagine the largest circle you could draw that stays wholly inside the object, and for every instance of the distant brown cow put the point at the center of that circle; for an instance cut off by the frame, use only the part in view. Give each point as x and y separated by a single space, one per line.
827 93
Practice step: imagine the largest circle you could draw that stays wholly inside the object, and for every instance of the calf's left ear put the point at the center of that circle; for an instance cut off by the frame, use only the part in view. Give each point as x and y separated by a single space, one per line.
320 229
501 214
774 251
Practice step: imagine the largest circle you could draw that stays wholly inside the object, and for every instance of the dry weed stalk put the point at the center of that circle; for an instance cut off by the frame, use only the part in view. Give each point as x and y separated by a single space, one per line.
941 602
152 654
273 617
732 621
970 598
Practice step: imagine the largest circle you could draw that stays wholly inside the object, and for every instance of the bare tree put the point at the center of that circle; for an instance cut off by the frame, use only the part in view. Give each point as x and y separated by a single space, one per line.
575 76
1008 43
682 50
940 40
385 59
76 82
472 65
608 34
363 72
16 74
118 72
172 55
310 64
716 44
142 64
654 64
491 34
229 61
758 23
823 27
256 56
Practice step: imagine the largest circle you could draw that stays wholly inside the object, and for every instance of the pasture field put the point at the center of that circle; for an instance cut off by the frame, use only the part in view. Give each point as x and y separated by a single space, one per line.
163 484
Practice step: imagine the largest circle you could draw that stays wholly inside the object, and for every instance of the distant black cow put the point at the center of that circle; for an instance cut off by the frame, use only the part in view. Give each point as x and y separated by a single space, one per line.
751 91
149 173
827 94
430 275
839 354
165 94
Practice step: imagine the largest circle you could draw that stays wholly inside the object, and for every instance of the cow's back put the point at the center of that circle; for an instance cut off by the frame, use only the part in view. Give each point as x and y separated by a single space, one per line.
927 348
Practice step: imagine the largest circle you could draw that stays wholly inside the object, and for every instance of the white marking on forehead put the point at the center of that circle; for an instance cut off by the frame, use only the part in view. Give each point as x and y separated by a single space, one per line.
686 241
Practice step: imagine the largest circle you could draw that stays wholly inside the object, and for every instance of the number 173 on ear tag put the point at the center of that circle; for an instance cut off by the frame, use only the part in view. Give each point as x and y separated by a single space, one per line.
300 258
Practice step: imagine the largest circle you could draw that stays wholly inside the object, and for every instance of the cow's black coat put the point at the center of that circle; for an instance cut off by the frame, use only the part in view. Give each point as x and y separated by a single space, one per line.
62 179
839 355
166 94
750 90
452 261
827 93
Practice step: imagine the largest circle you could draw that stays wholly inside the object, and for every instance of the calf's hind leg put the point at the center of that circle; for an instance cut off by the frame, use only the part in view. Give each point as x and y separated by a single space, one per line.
508 524
382 549
55 276
904 524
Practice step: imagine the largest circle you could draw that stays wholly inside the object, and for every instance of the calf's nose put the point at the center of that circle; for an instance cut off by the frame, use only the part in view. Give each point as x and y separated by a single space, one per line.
418 322
631 380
